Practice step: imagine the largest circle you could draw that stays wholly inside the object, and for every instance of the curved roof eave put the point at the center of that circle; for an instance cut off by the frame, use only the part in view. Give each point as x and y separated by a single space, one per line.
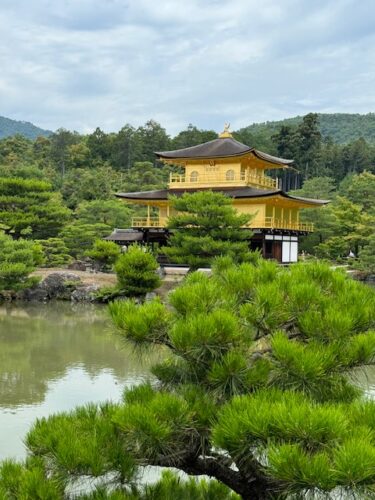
272 159
313 201
236 193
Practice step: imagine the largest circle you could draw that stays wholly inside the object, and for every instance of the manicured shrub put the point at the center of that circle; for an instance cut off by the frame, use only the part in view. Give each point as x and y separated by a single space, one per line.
105 253
18 258
136 272
55 252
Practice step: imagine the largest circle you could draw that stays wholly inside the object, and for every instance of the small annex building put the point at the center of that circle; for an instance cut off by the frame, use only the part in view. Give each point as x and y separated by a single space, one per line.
238 171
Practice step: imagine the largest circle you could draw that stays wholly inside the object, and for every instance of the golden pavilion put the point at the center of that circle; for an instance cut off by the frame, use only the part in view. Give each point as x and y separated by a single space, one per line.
238 171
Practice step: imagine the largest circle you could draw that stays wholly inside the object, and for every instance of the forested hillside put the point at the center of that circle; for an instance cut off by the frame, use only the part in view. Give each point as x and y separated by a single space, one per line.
86 167
10 127
77 175
341 127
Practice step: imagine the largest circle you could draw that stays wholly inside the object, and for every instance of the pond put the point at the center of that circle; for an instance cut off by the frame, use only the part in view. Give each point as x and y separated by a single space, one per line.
54 357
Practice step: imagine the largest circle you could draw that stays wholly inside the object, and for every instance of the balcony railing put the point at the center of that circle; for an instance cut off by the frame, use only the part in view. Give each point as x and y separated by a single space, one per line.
273 223
149 222
265 223
244 179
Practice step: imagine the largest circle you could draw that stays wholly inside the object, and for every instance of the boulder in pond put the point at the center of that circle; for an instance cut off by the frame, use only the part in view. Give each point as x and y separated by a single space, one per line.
36 293
54 286
85 293
61 285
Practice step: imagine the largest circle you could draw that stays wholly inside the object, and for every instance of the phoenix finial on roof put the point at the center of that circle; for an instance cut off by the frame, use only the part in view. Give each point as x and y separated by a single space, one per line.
226 132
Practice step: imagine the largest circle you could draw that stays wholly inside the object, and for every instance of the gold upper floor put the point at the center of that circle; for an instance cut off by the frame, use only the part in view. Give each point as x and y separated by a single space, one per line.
222 179
224 172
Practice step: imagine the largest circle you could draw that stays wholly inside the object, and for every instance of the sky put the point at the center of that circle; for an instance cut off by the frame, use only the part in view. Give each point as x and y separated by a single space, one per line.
82 64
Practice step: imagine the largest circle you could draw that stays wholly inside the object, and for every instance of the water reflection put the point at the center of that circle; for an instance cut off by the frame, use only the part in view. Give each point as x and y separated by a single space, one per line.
365 379
53 357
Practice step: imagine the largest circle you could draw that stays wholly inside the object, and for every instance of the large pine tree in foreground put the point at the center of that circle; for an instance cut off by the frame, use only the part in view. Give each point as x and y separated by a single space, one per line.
257 390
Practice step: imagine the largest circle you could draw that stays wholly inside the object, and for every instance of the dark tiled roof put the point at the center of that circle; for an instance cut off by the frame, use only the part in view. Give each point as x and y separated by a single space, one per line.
219 148
244 192
211 149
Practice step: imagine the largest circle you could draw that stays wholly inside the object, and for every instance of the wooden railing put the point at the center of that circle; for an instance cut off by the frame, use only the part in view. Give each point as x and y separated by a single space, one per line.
149 222
273 223
243 179
265 223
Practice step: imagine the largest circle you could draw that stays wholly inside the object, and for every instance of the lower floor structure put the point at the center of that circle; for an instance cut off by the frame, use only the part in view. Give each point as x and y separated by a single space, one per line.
280 245
273 226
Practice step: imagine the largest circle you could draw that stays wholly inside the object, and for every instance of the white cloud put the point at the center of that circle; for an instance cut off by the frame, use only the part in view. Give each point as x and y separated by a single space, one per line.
105 63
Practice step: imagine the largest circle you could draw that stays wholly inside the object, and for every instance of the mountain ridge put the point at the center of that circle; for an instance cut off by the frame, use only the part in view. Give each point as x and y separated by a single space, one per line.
10 127
341 127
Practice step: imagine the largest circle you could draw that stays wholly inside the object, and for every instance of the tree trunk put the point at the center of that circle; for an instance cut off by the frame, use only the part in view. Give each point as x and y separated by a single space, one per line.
250 484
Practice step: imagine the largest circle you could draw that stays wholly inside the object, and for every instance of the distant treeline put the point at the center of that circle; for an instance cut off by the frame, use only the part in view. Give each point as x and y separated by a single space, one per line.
302 140
342 128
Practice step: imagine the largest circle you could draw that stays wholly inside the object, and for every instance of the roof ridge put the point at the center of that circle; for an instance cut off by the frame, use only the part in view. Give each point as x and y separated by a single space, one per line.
217 140
216 148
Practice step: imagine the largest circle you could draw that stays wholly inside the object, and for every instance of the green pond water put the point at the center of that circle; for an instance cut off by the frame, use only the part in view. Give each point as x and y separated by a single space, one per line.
54 357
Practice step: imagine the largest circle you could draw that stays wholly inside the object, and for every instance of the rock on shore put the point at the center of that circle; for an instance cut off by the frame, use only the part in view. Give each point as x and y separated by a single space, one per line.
61 286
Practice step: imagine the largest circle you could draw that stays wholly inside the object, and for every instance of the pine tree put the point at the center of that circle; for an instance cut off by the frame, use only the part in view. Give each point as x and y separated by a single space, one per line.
256 391
17 260
29 208
105 253
366 258
206 226
55 252
136 272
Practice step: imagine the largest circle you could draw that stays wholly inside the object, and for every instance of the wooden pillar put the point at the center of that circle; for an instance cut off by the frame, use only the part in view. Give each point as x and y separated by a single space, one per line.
148 215
263 246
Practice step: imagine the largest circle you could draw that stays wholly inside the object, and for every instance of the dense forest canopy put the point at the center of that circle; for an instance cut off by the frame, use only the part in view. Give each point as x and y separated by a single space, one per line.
302 139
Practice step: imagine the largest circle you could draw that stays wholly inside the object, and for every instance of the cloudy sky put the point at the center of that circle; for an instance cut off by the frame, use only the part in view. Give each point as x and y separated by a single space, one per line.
80 64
